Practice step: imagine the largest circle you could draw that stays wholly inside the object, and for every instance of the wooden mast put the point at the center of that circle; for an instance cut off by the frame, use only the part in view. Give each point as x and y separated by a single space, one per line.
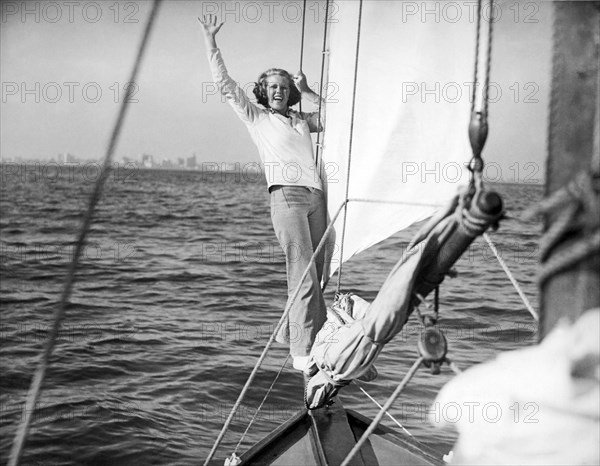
573 147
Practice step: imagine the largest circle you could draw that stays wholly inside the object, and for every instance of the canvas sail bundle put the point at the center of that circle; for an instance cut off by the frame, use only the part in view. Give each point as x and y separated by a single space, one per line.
409 144
531 395
349 352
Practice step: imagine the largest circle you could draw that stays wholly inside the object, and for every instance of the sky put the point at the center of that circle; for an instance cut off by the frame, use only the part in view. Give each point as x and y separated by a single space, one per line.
64 65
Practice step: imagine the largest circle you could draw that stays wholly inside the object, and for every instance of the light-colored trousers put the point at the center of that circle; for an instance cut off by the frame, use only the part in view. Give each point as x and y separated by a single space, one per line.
299 216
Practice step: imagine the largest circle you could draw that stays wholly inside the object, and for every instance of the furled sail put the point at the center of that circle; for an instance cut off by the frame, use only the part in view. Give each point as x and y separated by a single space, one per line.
547 391
406 142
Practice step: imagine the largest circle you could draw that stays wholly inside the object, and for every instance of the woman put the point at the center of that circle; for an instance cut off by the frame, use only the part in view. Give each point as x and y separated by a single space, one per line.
298 210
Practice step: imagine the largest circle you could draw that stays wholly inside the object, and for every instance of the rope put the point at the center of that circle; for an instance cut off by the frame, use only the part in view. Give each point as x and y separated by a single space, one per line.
488 64
471 218
488 58
323 53
386 406
424 319
261 403
557 98
263 355
511 278
477 37
302 45
381 407
452 365
38 377
577 208
423 301
478 127
302 37
596 144
570 256
576 197
561 225
350 137
383 201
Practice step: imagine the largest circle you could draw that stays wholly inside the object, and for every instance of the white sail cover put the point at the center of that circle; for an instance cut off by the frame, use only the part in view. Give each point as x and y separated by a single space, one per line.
411 113
536 405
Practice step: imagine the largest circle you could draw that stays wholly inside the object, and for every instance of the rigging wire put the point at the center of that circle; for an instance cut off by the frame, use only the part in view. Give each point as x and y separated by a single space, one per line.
59 314
478 125
452 365
485 90
488 64
302 46
484 112
323 55
475 69
302 35
350 138
261 404
512 279
387 412
411 372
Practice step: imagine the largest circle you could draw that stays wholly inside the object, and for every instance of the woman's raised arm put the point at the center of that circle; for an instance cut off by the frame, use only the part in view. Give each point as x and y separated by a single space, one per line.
305 91
316 121
209 24
235 95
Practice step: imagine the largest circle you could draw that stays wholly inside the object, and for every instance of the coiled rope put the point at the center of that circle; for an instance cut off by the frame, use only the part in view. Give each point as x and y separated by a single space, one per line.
59 314
577 208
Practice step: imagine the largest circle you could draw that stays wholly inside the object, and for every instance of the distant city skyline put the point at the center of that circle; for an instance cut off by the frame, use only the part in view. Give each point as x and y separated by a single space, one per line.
139 161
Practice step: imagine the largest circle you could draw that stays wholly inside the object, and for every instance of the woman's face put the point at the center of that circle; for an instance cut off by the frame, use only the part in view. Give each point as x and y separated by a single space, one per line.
278 92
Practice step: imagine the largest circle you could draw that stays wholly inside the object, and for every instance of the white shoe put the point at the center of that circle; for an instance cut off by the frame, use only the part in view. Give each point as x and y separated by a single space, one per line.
300 362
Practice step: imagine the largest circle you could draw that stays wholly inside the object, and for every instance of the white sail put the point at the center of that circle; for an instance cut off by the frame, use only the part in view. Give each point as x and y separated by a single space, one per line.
409 141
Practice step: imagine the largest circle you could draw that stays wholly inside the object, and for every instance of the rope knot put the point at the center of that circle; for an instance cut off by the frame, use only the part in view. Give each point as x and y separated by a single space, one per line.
480 211
575 209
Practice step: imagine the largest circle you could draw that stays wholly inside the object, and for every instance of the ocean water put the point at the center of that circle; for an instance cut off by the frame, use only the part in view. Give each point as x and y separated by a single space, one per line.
181 283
